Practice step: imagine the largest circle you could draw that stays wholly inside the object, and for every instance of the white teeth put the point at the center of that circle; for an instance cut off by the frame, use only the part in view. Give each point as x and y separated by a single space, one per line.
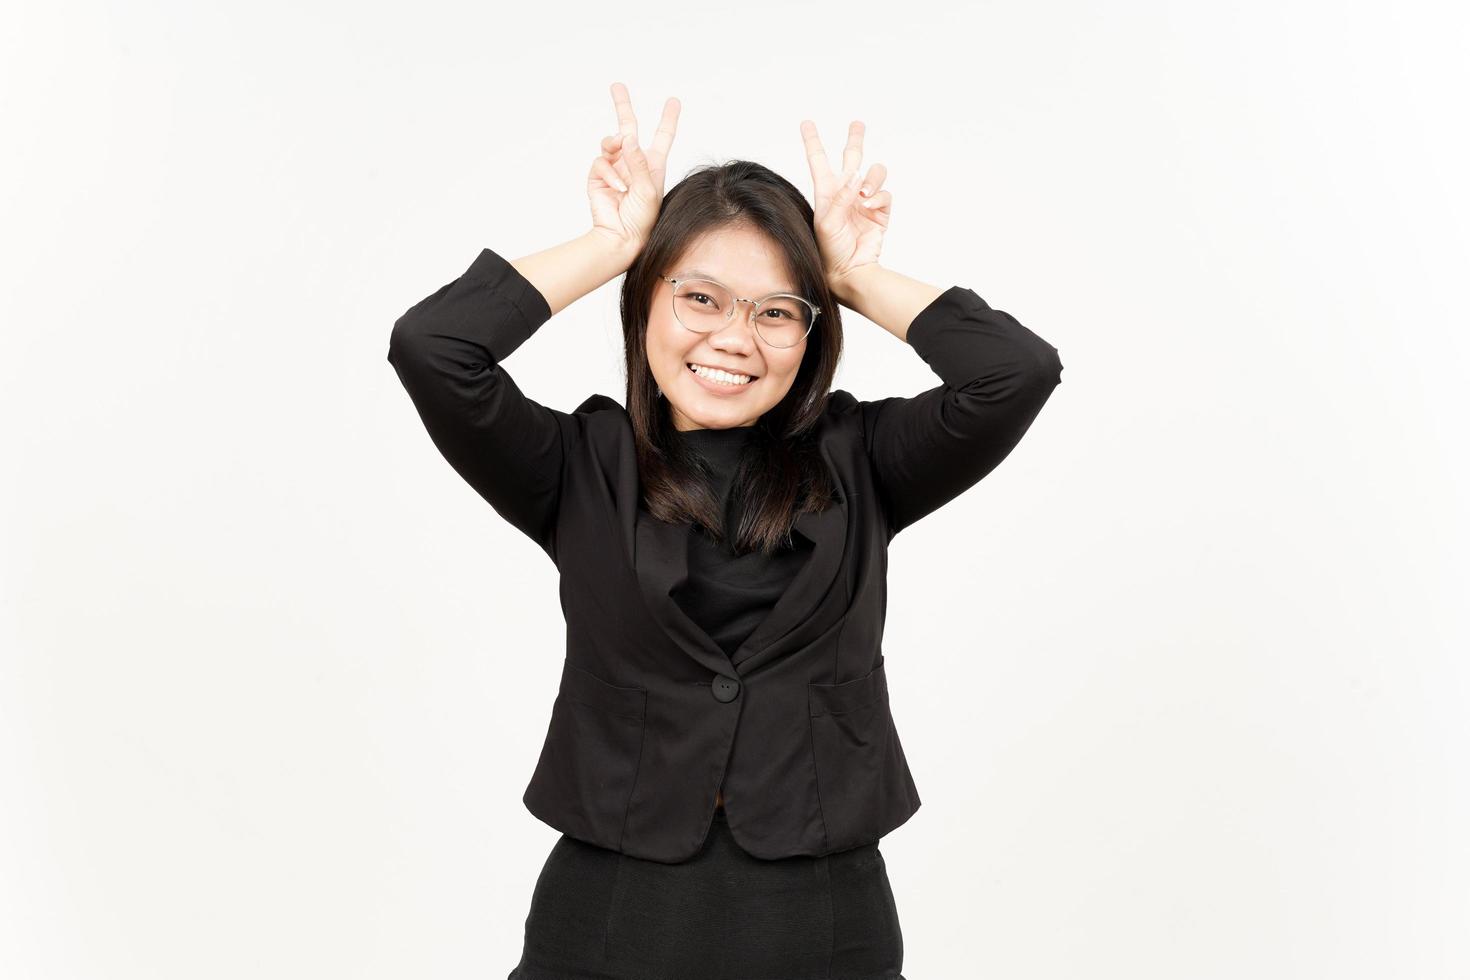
714 374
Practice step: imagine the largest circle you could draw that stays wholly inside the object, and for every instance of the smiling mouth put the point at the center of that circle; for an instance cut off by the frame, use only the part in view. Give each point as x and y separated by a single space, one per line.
720 377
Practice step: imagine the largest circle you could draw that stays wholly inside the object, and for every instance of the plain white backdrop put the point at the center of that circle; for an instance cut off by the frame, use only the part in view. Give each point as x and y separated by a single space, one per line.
1183 683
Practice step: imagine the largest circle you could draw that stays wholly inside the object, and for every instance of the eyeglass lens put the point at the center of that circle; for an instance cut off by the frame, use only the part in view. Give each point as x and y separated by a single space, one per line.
703 305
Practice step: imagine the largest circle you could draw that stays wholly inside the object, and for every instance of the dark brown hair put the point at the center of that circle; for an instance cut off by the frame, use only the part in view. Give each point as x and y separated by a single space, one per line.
781 473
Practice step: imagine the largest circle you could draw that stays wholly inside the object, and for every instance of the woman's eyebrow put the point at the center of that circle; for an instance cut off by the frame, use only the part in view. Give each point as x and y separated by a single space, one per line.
690 273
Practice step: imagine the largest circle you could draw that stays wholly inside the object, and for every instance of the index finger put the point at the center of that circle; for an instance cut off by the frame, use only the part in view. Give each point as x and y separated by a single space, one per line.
627 122
816 156
663 136
852 154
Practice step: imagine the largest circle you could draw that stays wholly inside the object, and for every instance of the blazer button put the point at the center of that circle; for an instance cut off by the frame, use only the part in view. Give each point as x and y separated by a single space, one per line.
725 688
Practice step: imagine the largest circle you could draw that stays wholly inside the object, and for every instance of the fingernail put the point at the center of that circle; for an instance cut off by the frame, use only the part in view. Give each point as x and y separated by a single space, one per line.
865 192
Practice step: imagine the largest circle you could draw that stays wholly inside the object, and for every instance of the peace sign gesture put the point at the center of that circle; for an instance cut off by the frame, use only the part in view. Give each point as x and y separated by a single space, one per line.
849 225
626 185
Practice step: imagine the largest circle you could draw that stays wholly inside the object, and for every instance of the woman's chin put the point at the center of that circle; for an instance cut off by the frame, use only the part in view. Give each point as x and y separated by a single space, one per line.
713 416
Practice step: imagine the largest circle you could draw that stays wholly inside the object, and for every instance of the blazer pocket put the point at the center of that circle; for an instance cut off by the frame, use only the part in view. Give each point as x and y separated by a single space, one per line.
853 749
579 684
589 761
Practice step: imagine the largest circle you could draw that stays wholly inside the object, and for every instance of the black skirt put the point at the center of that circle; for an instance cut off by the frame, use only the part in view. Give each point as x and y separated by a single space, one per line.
597 914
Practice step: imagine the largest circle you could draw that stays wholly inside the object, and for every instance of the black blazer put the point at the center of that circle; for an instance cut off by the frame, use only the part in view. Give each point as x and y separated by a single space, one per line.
651 717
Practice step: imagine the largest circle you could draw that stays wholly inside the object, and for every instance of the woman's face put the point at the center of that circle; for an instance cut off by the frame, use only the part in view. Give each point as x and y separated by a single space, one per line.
750 265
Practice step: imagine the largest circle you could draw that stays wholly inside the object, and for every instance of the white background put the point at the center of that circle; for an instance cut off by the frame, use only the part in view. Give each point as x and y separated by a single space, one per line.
1183 683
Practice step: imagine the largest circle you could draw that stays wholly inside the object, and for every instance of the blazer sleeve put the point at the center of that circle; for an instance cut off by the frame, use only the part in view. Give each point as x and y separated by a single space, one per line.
447 350
929 448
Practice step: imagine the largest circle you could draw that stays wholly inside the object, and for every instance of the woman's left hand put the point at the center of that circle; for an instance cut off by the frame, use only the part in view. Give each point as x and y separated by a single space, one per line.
849 224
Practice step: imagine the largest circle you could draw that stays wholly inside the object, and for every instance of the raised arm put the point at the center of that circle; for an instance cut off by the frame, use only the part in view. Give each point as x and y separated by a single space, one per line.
995 375
448 347
447 350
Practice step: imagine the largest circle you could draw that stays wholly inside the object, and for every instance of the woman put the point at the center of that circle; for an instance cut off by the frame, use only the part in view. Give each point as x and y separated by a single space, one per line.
756 505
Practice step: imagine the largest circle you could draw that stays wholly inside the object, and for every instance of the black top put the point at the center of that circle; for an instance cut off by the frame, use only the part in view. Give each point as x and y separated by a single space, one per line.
651 716
729 595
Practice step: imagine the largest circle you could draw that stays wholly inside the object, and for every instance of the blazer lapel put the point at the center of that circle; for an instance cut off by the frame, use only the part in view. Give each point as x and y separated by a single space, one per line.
660 559
793 622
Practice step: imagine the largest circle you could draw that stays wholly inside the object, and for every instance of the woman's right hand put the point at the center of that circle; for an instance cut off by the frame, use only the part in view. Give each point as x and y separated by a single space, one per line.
626 184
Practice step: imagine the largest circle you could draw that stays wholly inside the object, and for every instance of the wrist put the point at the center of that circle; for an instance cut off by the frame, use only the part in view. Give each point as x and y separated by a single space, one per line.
851 285
615 253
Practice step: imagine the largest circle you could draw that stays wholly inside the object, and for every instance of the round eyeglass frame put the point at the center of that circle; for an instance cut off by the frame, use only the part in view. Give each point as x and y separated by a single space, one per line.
755 305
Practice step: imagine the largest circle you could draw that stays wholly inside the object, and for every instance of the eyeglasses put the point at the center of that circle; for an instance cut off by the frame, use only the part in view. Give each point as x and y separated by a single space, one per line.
703 305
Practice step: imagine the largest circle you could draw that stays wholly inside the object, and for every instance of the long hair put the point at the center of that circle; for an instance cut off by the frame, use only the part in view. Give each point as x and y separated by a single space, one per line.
781 473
